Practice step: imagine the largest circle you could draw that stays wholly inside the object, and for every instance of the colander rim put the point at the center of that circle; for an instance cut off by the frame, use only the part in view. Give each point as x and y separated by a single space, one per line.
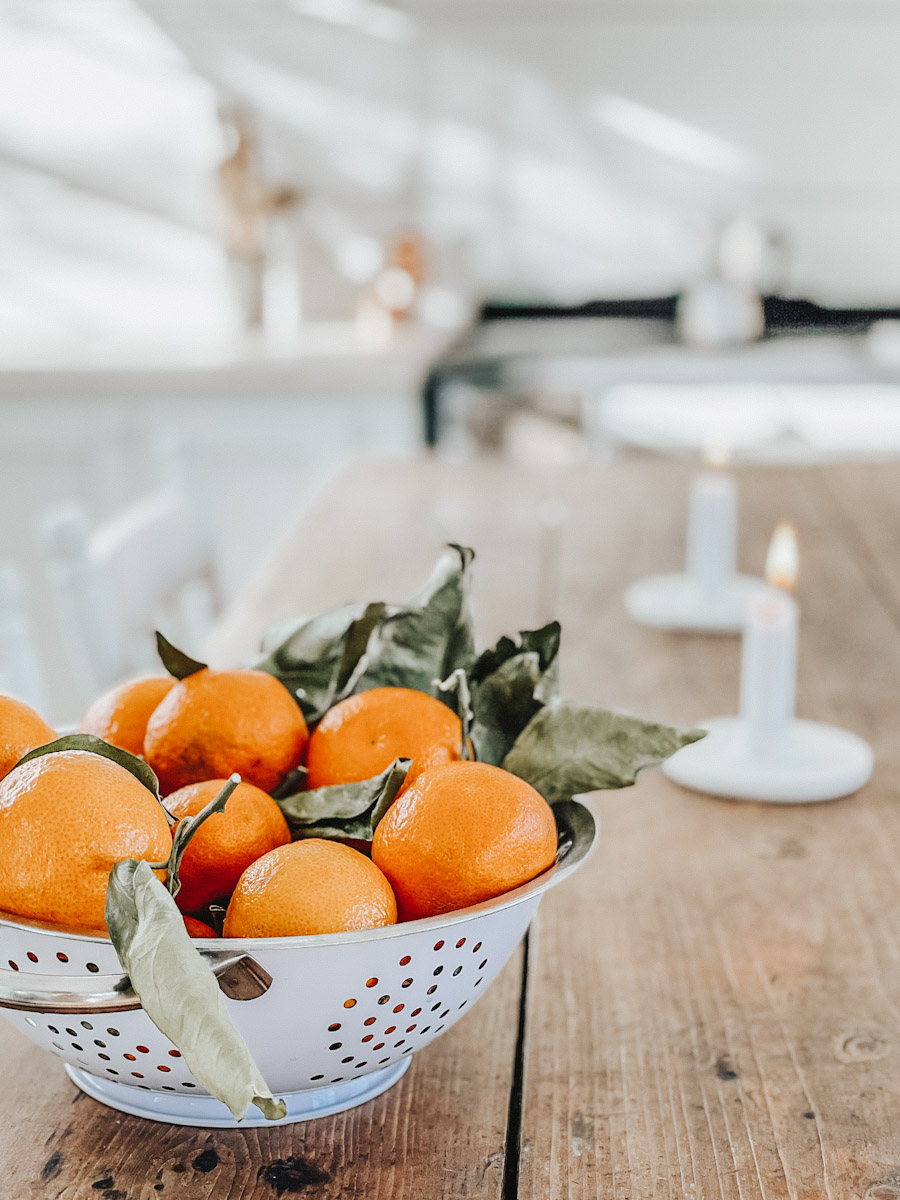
458 916
577 851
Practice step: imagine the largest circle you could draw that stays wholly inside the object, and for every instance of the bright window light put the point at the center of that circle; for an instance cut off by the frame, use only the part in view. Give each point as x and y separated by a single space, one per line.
668 135
369 141
459 156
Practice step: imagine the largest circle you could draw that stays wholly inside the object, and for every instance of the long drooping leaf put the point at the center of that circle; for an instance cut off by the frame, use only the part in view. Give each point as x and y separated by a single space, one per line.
568 748
346 810
94 745
179 992
430 637
509 684
188 826
175 661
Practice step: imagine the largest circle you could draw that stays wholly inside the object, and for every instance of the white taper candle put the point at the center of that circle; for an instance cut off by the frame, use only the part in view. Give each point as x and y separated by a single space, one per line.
769 651
712 529
769 664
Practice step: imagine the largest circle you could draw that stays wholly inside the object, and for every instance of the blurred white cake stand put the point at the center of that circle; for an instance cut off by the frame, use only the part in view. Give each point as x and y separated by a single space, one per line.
683 603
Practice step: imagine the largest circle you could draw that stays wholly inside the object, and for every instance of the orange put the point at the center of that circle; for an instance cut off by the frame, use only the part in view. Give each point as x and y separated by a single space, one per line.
311 886
65 819
21 730
120 715
214 723
198 929
227 842
360 736
461 834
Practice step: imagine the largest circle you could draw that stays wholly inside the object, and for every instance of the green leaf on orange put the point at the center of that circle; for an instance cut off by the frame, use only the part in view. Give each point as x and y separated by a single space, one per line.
457 686
509 684
567 749
428 638
345 810
176 662
357 647
178 990
94 745
319 655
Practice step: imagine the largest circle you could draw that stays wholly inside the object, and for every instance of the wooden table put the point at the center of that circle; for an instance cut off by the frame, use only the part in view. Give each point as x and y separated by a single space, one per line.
712 1007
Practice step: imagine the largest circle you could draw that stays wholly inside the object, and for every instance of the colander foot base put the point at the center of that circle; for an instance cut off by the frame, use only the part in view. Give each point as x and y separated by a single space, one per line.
204 1112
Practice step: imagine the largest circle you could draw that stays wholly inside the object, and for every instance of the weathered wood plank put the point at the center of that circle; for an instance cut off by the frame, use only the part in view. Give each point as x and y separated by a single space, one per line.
713 1008
865 509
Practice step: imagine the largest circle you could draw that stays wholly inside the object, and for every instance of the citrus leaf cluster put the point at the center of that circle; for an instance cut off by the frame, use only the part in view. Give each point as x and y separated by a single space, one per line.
358 647
345 810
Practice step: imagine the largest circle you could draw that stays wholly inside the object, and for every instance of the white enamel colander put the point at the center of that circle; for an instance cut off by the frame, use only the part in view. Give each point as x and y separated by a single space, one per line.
331 1020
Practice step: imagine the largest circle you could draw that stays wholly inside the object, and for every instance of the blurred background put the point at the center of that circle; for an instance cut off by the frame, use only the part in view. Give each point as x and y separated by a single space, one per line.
242 242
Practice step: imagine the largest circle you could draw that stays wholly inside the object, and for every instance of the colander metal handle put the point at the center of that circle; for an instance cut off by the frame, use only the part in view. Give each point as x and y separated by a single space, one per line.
240 978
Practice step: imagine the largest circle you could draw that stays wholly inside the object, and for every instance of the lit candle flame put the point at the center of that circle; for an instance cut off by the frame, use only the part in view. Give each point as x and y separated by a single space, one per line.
717 455
783 560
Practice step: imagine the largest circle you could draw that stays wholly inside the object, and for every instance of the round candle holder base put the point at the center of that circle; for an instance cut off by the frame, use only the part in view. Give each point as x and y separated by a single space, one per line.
808 763
681 603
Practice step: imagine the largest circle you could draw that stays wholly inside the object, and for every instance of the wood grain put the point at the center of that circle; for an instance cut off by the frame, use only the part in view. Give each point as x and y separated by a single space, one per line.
713 1002
725 1022
863 505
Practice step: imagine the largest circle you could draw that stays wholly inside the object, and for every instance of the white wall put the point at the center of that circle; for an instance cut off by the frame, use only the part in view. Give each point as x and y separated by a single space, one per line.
812 90
496 94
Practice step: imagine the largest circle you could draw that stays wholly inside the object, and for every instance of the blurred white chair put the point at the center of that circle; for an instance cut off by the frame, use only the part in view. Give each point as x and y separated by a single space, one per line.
21 672
152 564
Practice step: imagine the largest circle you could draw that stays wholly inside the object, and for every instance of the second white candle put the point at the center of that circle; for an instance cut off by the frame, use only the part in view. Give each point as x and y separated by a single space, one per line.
711 557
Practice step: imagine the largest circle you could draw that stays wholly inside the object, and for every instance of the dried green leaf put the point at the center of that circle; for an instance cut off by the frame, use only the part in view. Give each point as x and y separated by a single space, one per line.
175 661
312 659
569 748
510 683
188 826
94 745
457 686
294 781
346 810
428 638
178 990
357 647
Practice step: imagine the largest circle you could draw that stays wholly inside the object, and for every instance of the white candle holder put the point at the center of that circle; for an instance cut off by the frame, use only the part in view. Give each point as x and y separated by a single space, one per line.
709 596
809 762
765 753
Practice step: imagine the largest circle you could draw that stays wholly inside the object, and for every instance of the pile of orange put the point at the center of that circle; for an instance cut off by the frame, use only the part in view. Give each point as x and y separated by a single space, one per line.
459 833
